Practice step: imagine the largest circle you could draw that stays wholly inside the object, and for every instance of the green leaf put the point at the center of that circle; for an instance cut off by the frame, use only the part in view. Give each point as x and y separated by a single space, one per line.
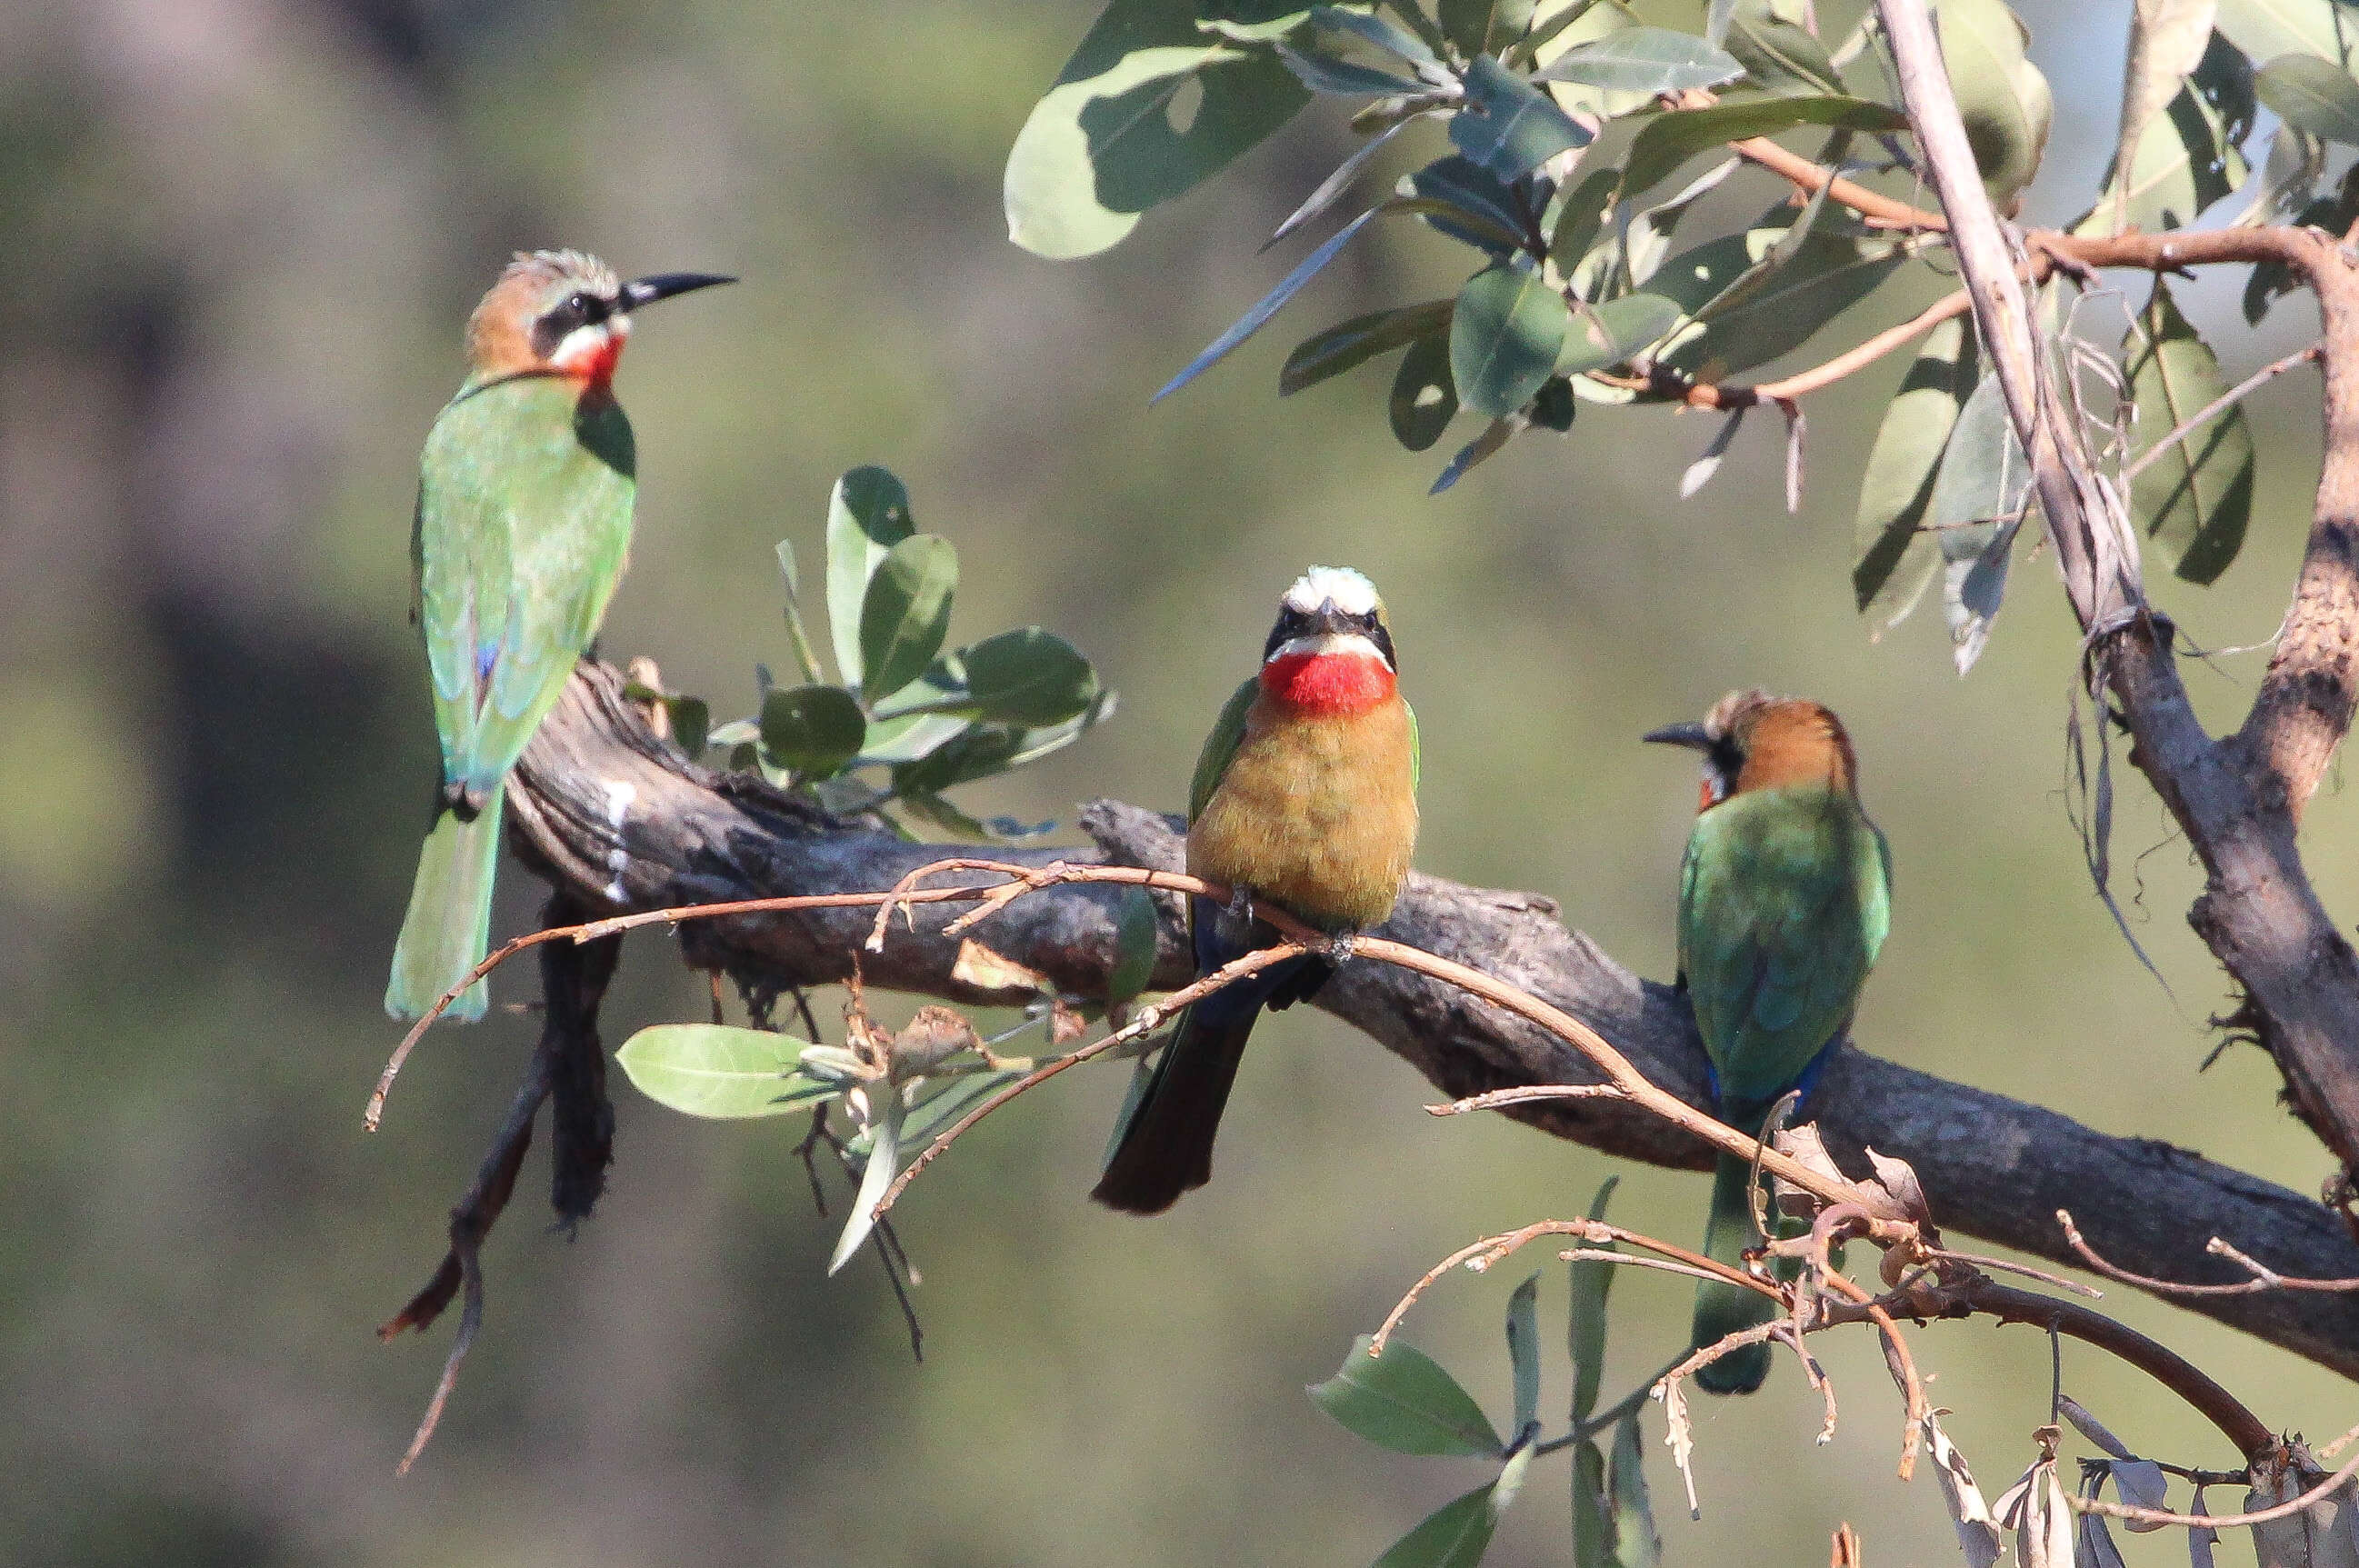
2272 280
1028 677
867 514
1476 209
884 1156
1609 333
1512 1474
1780 56
1647 239
1509 126
1635 1543
2004 99
1268 305
1523 1351
1337 182
2265 29
2313 95
2188 157
1581 216
1774 306
1505 337
1404 1401
1424 398
2290 177
1668 140
1369 27
1133 969
1644 60
1104 144
2195 499
1592 1535
1355 342
1323 72
960 1094
1554 405
1895 559
1592 1281
713 1070
1454 1536
691 722
812 730
907 613
1479 451
1978 498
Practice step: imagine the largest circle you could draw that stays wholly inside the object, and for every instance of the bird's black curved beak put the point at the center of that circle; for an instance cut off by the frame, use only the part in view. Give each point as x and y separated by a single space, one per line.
1689 734
1327 619
664 285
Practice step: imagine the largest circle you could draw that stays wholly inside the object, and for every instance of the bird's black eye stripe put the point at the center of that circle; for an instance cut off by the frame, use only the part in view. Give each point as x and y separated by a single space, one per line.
1382 638
576 309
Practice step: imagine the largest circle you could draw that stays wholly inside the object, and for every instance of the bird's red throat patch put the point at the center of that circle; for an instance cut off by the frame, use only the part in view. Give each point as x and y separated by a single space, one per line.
1337 683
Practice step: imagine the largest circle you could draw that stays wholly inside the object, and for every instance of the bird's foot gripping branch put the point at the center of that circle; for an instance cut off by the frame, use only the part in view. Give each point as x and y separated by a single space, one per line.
909 1094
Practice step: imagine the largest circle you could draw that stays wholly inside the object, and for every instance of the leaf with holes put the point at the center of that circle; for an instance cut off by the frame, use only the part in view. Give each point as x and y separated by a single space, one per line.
1114 136
1505 337
1404 1401
2194 499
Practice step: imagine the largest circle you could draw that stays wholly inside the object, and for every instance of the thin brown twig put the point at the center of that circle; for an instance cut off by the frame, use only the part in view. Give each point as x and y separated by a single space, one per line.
2264 1277
2211 411
2286 1509
1492 1099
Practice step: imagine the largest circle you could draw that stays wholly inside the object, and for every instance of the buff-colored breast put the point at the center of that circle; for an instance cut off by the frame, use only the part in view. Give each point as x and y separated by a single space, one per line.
1317 814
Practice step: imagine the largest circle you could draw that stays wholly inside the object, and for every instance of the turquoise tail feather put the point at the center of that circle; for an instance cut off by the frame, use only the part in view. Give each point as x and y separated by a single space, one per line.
449 922
1723 1309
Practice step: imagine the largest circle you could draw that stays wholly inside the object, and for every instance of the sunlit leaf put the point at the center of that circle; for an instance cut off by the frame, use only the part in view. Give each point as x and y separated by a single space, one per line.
1668 140
1779 56
1505 337
1895 559
2195 499
1977 506
2265 29
1648 239
713 1070
1454 1536
867 514
1104 145
1424 399
1644 60
1769 307
907 613
884 1161
1509 126
1404 1401
2168 38
812 730
2188 157
1354 342
1270 305
1381 31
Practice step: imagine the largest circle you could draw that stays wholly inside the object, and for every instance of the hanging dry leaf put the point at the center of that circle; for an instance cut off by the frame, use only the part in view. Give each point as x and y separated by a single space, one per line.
979 966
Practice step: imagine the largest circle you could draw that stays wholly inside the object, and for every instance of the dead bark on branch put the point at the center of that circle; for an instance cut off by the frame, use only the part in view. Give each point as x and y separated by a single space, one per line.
1995 1167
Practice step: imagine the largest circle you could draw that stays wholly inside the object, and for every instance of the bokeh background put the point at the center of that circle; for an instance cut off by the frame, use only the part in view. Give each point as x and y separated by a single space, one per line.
238 238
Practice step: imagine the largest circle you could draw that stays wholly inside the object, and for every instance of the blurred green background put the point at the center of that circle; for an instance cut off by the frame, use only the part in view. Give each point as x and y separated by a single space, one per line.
239 238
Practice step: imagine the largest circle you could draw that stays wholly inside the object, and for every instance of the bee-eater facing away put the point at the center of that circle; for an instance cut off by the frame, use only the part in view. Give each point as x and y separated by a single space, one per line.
1306 796
1784 900
523 523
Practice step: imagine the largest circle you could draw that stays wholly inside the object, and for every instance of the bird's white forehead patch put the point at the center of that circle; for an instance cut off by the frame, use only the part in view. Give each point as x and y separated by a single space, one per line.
1353 593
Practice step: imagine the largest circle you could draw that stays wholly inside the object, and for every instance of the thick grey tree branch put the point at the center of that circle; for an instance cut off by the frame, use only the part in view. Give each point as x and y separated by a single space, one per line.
2239 799
616 817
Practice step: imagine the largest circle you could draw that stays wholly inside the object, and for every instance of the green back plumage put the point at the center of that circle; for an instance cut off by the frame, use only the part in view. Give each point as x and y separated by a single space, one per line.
1784 902
523 520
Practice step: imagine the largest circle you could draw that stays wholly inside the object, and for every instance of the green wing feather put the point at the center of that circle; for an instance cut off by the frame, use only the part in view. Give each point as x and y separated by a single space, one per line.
524 518
1414 752
1221 746
1785 901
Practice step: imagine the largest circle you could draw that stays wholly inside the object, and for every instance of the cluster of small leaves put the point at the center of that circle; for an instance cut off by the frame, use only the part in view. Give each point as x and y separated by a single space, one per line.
1559 121
908 718
1404 1401
895 1088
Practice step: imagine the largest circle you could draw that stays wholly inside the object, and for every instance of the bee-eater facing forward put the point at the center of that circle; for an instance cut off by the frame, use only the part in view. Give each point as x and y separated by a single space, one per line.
523 522
1306 796
1784 901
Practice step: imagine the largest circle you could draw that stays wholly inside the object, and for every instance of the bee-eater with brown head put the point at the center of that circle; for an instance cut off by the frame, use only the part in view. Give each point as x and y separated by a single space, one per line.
523 523
1306 797
1785 897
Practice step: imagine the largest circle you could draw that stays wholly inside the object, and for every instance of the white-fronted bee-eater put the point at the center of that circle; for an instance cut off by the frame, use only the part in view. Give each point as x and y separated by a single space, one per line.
523 522
1785 897
1305 797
